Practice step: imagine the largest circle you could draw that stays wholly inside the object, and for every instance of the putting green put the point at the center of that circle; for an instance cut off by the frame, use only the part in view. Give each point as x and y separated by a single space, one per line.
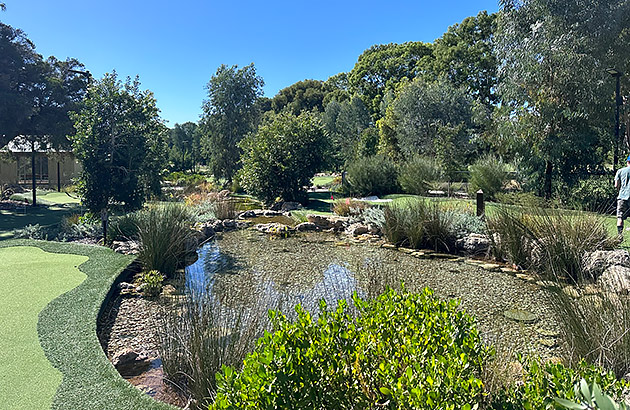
30 279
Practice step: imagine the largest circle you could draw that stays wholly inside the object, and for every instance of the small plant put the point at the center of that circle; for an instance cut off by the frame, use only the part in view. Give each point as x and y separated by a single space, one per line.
349 207
32 232
488 174
279 231
152 283
419 174
374 216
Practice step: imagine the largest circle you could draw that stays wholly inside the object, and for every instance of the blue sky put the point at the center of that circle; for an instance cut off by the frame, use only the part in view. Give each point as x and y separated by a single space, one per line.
176 46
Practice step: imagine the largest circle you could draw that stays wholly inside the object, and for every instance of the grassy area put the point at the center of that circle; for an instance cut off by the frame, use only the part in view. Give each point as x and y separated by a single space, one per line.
322 180
66 327
42 215
30 279
49 198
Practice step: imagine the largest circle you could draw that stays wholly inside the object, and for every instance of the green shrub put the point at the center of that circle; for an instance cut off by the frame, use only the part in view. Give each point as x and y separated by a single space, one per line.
123 227
375 175
595 193
590 398
544 382
374 215
465 223
419 223
180 178
164 232
488 174
419 174
403 351
280 160
152 283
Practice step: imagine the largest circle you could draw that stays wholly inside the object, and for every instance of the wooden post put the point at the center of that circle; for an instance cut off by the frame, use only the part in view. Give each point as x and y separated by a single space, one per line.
481 206
58 177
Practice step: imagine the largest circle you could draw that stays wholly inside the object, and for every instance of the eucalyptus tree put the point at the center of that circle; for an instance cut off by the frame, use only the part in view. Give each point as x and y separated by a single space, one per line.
553 54
306 95
229 114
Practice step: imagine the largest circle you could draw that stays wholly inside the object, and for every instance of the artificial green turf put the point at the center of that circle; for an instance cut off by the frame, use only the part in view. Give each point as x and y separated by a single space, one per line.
49 198
67 334
30 279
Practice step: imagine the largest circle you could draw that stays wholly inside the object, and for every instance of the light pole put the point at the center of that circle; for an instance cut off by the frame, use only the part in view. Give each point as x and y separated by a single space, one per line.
618 103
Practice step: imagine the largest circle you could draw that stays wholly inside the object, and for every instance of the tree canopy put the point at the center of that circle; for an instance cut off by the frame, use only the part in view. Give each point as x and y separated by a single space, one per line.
229 114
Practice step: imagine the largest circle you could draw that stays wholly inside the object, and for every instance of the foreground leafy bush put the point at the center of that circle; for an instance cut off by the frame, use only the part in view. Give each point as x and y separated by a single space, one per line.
418 174
544 382
402 351
488 174
376 175
590 398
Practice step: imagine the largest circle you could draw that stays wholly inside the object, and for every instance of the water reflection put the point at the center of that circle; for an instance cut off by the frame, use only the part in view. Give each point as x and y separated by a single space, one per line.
204 277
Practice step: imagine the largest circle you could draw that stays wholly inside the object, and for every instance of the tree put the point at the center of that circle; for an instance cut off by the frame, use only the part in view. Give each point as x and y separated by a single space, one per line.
465 56
345 123
282 157
430 119
120 141
36 96
184 146
553 55
306 95
383 66
229 114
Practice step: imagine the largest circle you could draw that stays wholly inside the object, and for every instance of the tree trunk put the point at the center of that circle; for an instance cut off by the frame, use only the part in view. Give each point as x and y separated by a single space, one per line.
33 182
548 171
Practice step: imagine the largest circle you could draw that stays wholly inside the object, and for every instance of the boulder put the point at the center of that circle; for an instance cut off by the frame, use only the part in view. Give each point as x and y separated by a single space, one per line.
357 229
229 224
336 223
615 278
306 226
128 356
474 244
126 247
273 228
595 263
286 206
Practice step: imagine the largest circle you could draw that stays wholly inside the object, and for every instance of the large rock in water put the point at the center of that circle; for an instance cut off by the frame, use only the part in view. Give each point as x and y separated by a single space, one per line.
336 223
474 244
615 278
595 263
306 226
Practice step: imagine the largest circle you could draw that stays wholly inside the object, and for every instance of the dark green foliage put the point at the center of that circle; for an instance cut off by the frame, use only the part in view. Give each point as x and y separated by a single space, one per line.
185 179
306 95
590 397
595 193
184 147
282 157
346 123
229 114
402 351
418 224
418 174
376 175
489 174
122 156
542 383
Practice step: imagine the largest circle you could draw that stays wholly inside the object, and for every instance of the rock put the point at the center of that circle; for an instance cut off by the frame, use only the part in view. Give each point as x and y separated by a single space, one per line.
127 356
526 277
547 284
305 226
336 223
520 315
511 271
547 333
492 267
615 279
420 255
474 244
356 229
229 224
388 246
126 247
272 228
548 342
435 255
125 286
406 250
207 230
595 263
169 290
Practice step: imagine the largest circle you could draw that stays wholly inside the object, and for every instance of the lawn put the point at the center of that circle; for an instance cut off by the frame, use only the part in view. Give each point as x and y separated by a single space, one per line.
67 369
42 215
49 198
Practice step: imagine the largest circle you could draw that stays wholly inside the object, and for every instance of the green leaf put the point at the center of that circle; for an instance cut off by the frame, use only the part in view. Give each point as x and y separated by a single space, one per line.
385 391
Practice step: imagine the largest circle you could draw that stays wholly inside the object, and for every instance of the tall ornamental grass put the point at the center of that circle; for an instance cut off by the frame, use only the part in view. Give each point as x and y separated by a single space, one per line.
418 174
165 235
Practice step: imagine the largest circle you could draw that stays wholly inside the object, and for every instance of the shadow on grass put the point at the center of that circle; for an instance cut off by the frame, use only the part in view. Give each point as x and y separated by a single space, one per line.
41 214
